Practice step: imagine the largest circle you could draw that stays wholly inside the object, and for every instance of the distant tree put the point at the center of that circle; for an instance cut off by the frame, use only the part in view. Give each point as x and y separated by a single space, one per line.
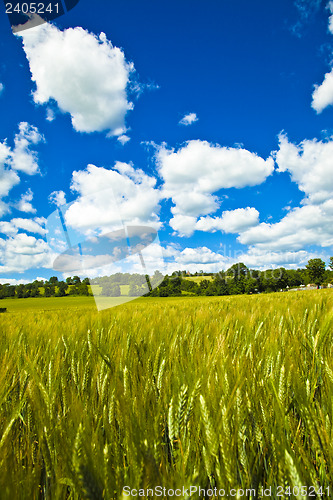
76 280
27 291
156 279
251 285
35 291
316 271
82 289
49 290
53 280
111 290
330 265
134 290
238 270
69 281
221 284
62 287
281 277
20 291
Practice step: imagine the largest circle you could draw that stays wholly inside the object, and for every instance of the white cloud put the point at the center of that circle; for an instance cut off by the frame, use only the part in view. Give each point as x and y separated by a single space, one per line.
310 165
2 87
20 158
83 73
323 94
189 119
24 204
302 226
183 224
123 139
30 225
22 252
8 178
58 198
330 20
263 259
107 196
50 114
204 259
10 281
198 170
194 259
232 221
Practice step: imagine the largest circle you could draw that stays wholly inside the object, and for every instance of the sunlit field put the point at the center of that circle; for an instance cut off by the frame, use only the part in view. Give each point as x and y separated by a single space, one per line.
226 392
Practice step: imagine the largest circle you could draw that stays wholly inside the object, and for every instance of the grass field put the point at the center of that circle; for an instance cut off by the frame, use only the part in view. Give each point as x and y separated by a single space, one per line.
198 279
226 392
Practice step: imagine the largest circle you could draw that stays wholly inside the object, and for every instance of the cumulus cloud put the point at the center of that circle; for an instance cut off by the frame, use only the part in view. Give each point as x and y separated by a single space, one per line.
198 170
263 259
29 225
24 204
20 158
231 221
189 119
323 94
102 190
58 198
204 259
301 227
10 281
22 252
194 259
310 165
330 20
123 139
184 225
84 74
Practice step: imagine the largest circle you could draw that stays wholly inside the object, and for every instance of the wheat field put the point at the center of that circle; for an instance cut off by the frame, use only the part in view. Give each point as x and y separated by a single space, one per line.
227 392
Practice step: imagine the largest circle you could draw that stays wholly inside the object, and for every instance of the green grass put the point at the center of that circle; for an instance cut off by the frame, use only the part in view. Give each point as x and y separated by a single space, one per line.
209 391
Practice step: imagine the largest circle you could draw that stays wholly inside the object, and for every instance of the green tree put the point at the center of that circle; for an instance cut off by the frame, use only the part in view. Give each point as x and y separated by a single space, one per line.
237 271
20 291
110 290
134 290
316 271
330 265
251 285
62 287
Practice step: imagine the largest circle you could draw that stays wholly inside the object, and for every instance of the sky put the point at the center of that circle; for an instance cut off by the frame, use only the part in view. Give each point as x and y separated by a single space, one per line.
209 121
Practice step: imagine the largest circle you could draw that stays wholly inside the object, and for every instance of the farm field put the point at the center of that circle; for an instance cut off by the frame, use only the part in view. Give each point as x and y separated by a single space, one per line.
225 392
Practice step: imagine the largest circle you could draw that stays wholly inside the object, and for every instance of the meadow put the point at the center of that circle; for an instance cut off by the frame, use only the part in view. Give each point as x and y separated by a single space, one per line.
225 392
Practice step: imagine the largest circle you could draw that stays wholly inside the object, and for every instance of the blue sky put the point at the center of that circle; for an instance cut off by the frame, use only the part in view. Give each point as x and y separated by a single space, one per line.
210 121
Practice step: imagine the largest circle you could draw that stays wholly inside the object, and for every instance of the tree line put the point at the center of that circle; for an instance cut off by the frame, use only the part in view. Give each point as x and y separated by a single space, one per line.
48 288
238 279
